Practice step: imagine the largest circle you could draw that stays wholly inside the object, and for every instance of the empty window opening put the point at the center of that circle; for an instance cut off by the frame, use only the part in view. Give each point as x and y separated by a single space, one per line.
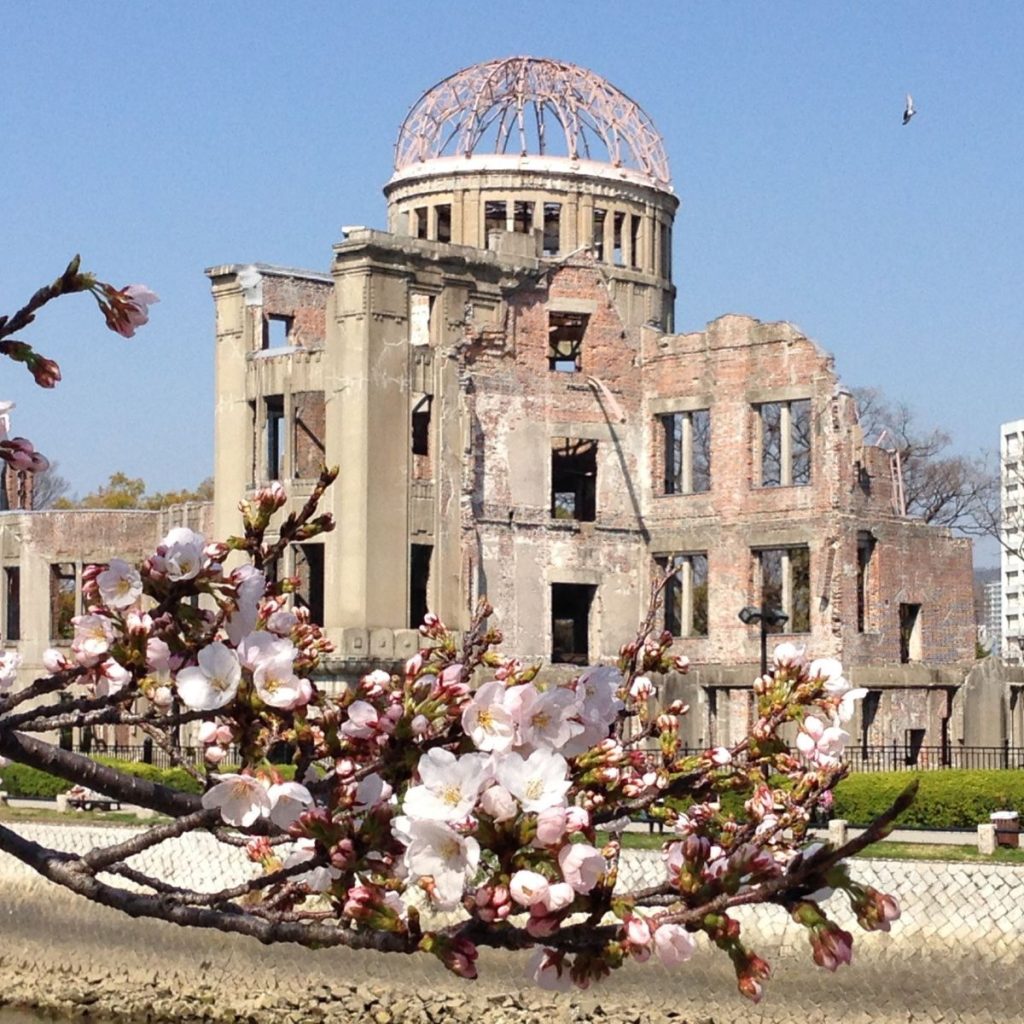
865 553
443 212
634 241
868 713
910 633
913 741
275 436
421 312
574 479
522 217
421 427
309 574
618 257
785 585
12 603
308 429
665 249
419 583
785 429
686 594
63 592
565 341
597 234
277 331
422 223
570 623
687 452
494 217
552 228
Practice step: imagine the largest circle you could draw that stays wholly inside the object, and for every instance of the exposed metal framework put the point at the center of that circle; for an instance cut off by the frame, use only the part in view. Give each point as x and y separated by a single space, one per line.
531 106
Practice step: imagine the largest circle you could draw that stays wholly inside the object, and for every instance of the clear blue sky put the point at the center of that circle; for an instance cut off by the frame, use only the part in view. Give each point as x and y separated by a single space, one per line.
161 138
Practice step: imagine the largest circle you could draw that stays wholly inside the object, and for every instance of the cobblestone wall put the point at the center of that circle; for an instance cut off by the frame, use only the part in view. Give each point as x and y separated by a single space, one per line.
954 956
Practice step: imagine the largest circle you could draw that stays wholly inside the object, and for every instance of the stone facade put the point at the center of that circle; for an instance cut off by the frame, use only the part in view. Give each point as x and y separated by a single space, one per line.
511 419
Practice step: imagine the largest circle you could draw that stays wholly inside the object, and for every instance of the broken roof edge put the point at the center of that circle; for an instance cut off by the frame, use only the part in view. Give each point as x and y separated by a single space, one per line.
266 270
479 163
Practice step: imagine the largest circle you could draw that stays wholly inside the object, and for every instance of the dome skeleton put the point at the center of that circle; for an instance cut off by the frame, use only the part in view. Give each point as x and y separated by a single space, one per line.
598 122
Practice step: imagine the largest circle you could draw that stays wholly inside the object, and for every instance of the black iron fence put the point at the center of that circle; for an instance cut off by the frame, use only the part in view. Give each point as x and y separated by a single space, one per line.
148 752
891 757
896 757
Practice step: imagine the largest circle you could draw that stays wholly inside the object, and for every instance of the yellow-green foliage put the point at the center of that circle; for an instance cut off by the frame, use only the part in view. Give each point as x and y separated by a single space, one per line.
951 798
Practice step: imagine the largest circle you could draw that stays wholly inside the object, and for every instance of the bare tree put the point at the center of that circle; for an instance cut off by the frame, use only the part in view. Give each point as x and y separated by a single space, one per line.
48 486
940 488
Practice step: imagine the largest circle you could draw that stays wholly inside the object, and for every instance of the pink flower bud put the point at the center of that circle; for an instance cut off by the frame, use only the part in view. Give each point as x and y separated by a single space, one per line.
54 661
215 754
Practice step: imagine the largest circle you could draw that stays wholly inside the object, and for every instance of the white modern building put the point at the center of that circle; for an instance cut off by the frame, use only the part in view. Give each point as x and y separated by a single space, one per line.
1011 467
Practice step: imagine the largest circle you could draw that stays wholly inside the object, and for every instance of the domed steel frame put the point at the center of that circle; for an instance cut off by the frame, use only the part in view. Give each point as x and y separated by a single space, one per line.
519 103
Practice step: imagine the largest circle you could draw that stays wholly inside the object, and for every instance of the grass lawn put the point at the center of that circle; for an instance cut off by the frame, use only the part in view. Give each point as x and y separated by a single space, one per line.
53 816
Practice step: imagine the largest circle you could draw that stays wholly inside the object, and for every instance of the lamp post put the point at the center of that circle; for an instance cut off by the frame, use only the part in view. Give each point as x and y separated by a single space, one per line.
766 617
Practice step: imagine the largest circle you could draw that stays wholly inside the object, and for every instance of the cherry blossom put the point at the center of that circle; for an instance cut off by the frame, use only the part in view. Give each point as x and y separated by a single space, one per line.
241 799
486 721
213 682
438 851
582 865
538 782
673 944
287 801
449 786
10 661
821 744
120 584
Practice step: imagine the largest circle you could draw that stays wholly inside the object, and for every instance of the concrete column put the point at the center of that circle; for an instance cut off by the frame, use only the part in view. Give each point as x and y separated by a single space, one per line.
838 832
987 839
785 445
687 442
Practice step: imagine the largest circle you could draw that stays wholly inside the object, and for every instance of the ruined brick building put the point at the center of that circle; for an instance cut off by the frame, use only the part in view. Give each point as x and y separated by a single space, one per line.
497 378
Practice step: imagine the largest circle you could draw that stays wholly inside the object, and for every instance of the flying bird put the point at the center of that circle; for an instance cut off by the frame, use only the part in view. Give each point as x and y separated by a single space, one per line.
909 110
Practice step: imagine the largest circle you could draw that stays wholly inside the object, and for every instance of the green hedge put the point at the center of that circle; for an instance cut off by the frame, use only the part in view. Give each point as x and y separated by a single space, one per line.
31 784
951 798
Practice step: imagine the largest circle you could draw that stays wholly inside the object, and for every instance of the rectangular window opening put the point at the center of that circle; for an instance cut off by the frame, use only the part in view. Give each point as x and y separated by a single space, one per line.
565 341
495 218
686 594
275 436
687 452
597 233
277 330
309 571
12 603
785 435
443 212
422 221
618 257
522 217
308 434
419 583
552 228
421 427
574 479
570 623
634 241
910 633
63 591
785 586
865 551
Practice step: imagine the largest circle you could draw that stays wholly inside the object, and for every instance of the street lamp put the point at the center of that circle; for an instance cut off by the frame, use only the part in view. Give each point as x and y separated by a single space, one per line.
766 617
